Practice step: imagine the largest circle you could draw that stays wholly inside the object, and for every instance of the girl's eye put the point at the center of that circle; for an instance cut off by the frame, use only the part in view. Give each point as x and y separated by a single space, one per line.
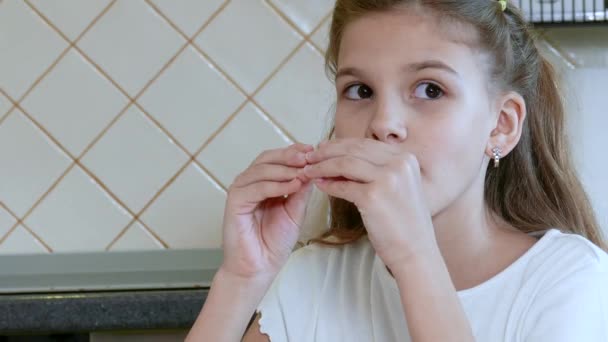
428 91
358 92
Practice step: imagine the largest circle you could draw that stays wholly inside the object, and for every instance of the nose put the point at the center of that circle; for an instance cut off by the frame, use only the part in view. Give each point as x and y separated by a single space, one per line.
389 123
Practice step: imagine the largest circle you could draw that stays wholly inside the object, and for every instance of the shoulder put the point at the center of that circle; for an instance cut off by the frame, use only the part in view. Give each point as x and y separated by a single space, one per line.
569 278
565 255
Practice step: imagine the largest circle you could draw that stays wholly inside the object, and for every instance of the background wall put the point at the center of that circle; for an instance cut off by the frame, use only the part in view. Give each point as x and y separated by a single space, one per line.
122 123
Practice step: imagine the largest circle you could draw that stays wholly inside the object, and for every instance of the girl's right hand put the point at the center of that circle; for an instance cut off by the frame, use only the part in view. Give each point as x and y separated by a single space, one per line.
261 227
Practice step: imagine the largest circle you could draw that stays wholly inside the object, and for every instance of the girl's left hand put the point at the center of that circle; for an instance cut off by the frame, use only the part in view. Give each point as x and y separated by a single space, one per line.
384 183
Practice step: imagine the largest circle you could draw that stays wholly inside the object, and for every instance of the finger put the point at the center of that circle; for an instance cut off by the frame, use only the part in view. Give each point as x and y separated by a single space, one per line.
373 151
349 167
345 189
293 155
260 191
266 172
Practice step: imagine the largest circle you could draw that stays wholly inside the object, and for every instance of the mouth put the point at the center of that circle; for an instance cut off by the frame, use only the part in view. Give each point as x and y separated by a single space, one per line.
334 179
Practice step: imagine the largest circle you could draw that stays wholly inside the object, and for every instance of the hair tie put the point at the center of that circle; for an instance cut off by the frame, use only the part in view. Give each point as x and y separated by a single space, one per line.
503 5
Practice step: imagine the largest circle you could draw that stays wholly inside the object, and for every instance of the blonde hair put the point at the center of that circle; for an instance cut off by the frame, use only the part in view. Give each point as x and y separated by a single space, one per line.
536 186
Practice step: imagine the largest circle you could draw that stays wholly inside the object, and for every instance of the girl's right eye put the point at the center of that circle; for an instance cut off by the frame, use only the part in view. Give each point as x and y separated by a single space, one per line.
358 90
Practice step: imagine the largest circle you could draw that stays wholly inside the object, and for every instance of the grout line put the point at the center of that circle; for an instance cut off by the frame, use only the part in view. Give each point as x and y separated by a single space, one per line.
61 55
123 231
120 234
94 21
37 237
12 108
17 221
5 115
285 18
176 28
294 26
243 92
320 49
211 137
9 232
28 229
43 75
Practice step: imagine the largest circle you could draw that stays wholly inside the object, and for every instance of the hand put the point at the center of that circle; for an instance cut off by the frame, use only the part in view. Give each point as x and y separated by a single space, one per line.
260 226
384 184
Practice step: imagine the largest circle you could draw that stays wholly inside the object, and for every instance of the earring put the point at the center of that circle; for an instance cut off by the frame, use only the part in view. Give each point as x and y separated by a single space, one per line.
497 155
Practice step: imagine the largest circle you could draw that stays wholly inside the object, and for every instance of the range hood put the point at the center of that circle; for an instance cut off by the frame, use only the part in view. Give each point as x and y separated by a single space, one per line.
564 11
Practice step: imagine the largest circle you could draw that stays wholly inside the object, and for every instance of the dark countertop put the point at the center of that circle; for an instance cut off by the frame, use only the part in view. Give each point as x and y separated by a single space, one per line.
100 311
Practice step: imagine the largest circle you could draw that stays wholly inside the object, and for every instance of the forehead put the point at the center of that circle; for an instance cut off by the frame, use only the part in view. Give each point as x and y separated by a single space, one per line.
384 38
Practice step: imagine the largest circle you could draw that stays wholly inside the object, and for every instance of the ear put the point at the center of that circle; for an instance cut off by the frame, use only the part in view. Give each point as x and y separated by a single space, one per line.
509 124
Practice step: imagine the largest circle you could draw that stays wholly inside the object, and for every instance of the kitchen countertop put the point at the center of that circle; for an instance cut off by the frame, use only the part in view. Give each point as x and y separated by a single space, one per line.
102 291
100 311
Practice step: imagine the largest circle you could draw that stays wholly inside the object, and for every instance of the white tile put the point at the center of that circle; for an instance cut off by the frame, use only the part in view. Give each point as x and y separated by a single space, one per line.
188 15
587 46
306 14
189 213
134 159
20 241
70 16
30 161
78 215
248 41
136 238
131 42
191 99
5 105
7 221
74 102
29 47
300 96
321 36
239 143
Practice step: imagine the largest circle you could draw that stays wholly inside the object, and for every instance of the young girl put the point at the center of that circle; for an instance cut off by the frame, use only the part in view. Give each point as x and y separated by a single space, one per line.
456 214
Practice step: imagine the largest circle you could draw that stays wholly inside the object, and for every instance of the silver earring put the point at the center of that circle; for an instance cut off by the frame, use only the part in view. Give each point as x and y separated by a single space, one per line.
497 155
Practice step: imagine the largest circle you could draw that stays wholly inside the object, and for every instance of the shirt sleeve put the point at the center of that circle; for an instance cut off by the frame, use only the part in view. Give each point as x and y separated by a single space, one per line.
575 308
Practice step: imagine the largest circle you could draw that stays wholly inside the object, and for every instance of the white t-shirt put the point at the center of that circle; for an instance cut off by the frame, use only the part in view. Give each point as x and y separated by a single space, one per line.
557 291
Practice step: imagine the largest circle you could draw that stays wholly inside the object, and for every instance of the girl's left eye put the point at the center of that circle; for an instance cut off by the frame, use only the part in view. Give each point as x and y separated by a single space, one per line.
429 91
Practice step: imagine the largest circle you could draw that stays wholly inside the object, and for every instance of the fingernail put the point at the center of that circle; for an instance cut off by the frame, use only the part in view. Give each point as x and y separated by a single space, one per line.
309 155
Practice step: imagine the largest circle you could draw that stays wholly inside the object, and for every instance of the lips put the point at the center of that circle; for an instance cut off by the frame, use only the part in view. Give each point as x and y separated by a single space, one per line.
334 179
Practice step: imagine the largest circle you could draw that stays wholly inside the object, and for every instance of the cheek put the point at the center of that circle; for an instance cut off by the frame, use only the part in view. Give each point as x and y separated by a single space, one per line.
450 158
349 125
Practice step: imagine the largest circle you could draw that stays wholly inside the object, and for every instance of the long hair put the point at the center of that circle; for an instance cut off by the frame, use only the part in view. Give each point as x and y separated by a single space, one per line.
536 186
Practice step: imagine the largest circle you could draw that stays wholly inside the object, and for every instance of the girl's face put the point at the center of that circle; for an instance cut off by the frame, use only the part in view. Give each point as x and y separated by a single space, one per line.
404 81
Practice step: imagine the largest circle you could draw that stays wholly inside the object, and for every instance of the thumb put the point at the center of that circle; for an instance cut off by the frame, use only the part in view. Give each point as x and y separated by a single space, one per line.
297 203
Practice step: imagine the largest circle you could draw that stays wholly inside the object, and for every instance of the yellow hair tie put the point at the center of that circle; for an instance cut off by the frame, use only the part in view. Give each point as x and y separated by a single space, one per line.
503 4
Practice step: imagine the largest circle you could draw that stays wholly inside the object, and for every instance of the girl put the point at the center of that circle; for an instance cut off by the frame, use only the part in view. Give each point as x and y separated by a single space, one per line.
456 214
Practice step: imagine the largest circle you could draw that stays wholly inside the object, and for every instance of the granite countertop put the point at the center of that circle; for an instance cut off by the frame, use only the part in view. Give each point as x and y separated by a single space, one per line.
86 292
100 311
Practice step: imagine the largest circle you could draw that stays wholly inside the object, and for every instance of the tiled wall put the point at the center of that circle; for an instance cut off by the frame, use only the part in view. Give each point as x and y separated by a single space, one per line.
123 122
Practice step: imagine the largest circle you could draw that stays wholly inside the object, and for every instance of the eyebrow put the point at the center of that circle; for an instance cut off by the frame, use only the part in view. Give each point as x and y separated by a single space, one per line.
412 67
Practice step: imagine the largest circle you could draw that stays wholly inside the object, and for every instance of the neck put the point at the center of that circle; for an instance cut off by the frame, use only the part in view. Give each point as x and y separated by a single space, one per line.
469 237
